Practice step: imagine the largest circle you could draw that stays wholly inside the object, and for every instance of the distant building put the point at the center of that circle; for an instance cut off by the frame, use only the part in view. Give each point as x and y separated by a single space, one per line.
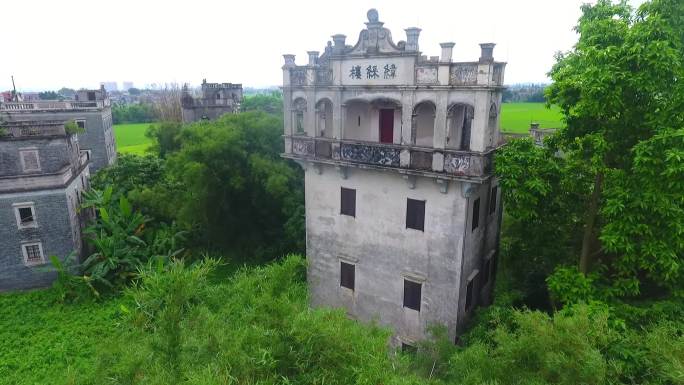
403 210
110 86
43 174
91 110
127 86
216 99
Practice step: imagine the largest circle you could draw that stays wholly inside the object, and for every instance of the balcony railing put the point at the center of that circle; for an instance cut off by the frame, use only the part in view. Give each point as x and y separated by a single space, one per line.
54 105
446 161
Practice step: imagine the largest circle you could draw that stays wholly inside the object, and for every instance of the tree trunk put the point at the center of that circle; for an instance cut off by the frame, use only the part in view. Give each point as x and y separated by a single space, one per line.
592 213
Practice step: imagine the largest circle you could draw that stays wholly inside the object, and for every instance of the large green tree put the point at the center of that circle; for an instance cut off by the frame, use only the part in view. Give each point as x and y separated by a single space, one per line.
618 160
233 186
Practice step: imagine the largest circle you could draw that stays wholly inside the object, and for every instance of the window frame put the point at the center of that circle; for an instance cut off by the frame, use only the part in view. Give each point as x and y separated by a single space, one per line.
419 217
24 253
17 215
475 217
77 121
353 275
350 211
470 291
407 299
493 199
29 150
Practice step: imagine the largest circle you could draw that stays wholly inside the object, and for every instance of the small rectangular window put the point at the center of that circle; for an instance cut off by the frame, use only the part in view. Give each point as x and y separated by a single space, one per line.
492 200
81 124
476 214
348 202
29 160
25 215
33 253
412 294
469 294
415 214
347 275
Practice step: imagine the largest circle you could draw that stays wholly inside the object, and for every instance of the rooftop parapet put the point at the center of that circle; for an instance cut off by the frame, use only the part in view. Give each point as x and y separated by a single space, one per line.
31 129
54 105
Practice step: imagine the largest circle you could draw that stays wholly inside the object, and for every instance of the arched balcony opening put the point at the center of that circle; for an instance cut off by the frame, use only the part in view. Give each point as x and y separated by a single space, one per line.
298 111
423 124
324 118
375 121
459 123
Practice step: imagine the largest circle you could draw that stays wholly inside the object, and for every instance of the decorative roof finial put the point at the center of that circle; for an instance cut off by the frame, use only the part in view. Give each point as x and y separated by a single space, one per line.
372 15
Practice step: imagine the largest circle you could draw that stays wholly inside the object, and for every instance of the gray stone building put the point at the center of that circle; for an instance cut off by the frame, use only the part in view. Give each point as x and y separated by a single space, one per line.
91 110
43 174
402 208
216 99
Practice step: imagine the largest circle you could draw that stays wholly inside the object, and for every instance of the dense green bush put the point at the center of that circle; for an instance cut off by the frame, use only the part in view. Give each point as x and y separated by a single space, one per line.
255 329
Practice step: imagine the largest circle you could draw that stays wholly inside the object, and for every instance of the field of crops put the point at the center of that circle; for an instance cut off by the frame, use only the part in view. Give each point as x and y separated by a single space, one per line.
130 138
516 117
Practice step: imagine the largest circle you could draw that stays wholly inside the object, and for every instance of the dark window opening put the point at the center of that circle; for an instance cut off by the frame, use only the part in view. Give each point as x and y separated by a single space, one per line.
348 202
492 200
415 214
32 252
412 294
359 121
486 269
91 96
80 124
408 349
347 275
25 215
469 294
476 213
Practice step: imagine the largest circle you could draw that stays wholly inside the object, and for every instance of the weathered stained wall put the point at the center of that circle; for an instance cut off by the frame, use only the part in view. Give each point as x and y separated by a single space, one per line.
384 250
57 229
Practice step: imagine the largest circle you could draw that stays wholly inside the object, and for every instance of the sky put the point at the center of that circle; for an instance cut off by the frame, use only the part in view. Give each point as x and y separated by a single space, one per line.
49 44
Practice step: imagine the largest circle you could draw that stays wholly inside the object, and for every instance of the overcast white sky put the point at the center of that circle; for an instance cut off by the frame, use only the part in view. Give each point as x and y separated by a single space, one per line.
48 44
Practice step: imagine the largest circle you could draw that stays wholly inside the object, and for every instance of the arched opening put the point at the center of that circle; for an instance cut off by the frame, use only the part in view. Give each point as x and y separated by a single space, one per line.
324 118
423 124
298 110
491 125
375 121
459 121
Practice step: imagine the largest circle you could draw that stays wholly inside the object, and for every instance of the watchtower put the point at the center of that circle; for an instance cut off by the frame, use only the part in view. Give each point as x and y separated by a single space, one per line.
402 209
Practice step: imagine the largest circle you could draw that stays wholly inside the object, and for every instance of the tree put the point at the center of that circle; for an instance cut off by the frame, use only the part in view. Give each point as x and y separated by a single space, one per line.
167 104
621 94
272 103
166 136
226 181
49 95
134 91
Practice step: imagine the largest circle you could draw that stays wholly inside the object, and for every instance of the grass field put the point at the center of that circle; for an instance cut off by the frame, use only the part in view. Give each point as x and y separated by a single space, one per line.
516 117
130 138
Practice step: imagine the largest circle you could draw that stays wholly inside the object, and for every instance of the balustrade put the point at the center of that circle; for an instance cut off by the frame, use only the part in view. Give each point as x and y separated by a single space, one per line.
457 163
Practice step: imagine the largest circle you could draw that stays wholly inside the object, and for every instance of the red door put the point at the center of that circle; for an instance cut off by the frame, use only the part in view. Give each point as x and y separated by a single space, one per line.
386 125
